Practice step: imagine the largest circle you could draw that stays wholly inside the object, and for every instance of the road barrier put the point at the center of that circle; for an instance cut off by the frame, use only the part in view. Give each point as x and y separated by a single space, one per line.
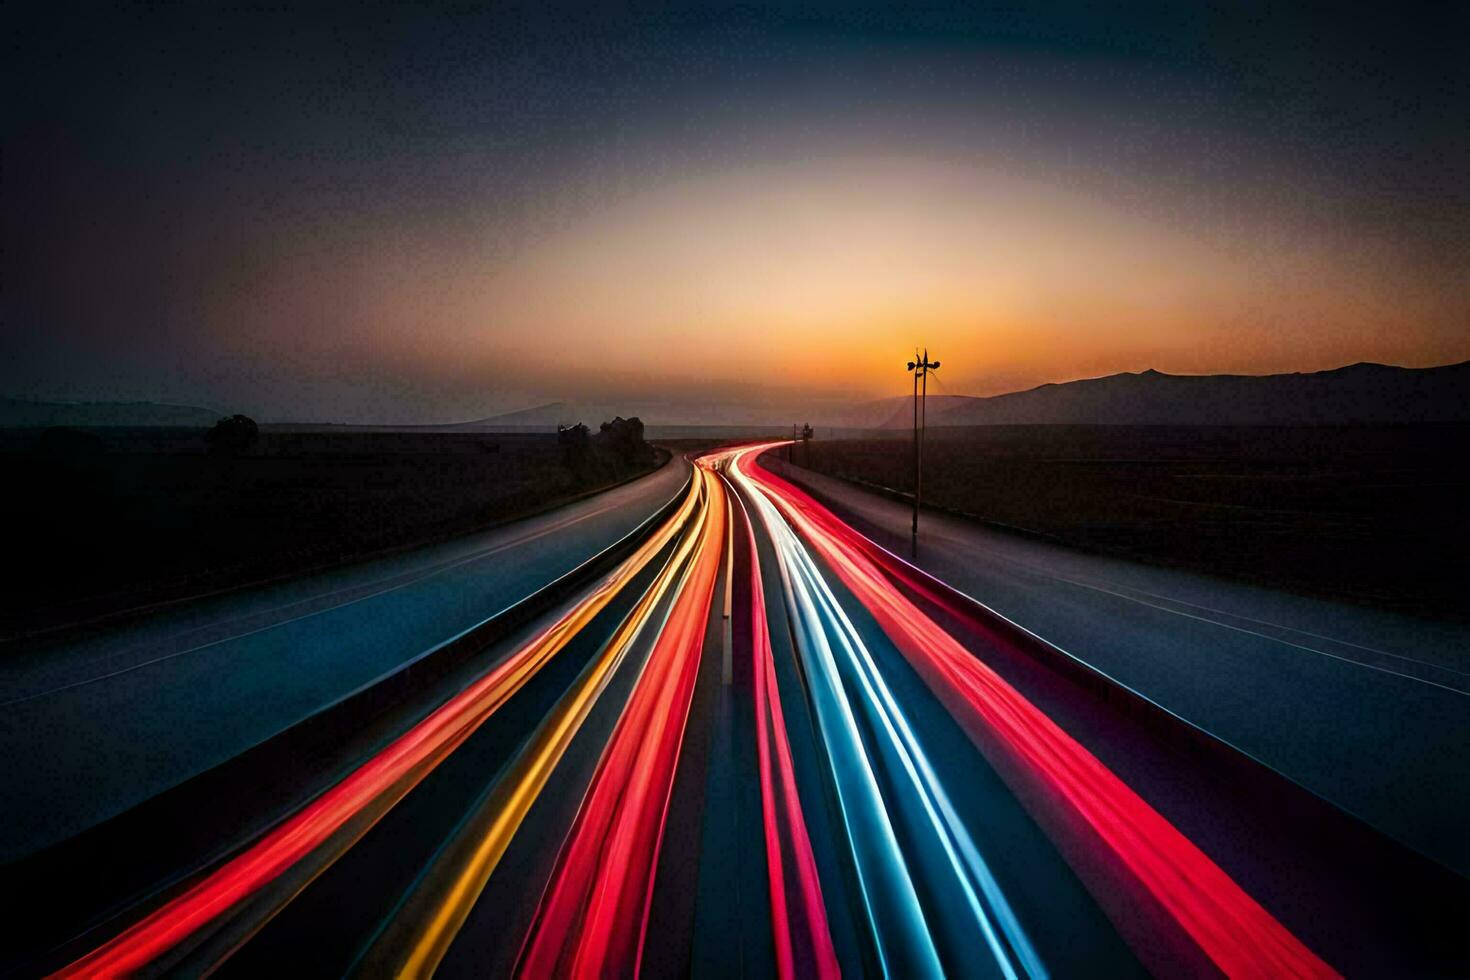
237 800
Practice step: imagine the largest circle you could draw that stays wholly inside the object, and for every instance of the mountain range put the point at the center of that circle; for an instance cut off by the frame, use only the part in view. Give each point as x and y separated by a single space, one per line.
1358 393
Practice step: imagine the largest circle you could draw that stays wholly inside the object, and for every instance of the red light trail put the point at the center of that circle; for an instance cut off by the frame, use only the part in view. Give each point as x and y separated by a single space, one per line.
1160 889
373 788
798 919
1239 936
593 916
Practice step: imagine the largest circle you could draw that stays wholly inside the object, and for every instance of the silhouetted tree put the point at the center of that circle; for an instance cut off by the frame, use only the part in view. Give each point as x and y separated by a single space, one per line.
576 445
624 437
233 435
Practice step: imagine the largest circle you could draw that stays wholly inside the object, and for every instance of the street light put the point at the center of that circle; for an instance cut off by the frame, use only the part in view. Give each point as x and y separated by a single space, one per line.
920 368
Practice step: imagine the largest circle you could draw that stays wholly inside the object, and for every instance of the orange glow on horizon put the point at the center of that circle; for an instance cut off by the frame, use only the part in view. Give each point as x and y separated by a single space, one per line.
822 275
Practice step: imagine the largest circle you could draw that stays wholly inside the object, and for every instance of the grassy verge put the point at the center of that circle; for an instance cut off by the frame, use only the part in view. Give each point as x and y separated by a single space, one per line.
140 517
1370 514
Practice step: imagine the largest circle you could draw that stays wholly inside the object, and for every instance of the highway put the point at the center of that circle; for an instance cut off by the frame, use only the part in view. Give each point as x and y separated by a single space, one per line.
1366 708
704 723
90 727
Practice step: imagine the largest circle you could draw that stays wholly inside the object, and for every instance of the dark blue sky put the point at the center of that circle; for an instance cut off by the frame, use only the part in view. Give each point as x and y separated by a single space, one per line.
209 204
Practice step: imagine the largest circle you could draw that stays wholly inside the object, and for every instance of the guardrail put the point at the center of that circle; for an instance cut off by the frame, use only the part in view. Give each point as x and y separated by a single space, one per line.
74 887
1421 901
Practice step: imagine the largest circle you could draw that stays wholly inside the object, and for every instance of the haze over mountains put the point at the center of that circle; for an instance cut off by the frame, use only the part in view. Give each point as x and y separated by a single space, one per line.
859 415
873 414
17 413
1358 393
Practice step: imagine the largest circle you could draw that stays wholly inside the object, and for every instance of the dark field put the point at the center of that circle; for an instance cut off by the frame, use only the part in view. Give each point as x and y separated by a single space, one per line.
1370 514
105 520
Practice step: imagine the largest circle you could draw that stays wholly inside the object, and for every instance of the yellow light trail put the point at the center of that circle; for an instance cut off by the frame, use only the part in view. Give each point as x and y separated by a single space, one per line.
427 922
371 790
594 912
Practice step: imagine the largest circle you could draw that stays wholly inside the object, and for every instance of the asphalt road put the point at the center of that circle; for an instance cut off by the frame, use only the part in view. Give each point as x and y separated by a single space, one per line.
1368 709
92 726
748 741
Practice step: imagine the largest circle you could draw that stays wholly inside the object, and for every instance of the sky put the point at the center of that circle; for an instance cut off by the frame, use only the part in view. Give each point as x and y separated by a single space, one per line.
381 214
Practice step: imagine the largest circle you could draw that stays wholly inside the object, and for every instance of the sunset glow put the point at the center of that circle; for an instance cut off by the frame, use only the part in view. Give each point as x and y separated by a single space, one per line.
755 224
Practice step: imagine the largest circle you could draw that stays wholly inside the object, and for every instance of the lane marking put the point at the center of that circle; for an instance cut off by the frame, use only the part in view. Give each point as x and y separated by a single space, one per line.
1277 639
372 788
990 553
414 580
1036 570
1217 915
727 661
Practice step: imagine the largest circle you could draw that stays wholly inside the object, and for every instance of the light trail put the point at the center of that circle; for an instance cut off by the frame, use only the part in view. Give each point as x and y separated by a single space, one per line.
1452 680
891 903
825 626
361 592
420 930
1229 927
901 832
594 913
1014 953
372 788
799 925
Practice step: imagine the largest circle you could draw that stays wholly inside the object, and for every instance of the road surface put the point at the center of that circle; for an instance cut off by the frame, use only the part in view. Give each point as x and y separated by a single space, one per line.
746 739
91 727
1367 708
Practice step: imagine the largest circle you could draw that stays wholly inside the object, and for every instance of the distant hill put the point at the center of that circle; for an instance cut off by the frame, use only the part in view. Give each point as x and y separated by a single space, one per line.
542 418
889 412
1357 393
680 414
15 413
684 415
547 416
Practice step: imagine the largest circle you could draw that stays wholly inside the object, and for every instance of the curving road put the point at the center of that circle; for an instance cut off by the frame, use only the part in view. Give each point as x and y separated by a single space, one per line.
743 738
